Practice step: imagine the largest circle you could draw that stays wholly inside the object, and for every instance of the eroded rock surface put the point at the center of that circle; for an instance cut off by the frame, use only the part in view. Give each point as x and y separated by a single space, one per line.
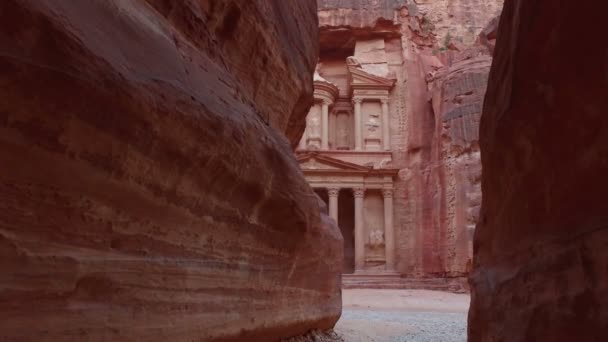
147 192
541 255
457 92
459 20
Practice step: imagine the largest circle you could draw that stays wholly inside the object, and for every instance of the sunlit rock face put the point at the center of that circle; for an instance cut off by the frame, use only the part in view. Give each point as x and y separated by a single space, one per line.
148 191
541 256
459 20
439 54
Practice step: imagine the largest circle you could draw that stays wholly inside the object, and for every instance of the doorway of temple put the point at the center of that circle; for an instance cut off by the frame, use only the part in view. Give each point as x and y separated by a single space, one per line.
346 222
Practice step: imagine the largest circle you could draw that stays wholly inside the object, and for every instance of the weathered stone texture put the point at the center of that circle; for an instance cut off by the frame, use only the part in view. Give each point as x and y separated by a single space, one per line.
459 20
357 13
449 20
146 190
541 247
457 98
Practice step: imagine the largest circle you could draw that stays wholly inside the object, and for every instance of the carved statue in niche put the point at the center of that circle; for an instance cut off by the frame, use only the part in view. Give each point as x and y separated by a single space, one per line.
314 124
373 126
374 256
342 137
376 239
342 132
313 128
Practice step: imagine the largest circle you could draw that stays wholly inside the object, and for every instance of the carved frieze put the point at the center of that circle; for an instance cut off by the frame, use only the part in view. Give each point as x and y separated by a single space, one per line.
380 94
334 180
314 125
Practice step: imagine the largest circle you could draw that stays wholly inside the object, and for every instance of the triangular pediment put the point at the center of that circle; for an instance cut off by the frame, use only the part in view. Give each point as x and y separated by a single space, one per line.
315 161
359 77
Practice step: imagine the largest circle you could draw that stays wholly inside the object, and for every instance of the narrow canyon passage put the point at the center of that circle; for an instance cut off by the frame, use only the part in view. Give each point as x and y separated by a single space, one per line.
303 170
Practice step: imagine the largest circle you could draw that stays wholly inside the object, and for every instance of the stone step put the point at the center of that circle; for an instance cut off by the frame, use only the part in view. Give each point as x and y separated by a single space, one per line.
352 281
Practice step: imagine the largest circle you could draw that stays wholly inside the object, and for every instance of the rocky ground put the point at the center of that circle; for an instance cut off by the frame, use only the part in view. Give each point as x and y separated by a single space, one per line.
398 315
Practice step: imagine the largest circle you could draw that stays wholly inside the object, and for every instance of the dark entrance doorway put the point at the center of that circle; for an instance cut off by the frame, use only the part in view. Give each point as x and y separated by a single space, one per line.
346 222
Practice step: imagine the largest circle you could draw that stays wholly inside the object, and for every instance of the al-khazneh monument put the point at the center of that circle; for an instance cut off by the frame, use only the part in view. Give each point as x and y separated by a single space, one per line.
346 151
391 140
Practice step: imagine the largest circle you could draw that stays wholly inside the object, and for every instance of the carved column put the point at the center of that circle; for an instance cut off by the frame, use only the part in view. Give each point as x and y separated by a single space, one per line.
357 103
333 203
325 125
386 138
389 232
359 194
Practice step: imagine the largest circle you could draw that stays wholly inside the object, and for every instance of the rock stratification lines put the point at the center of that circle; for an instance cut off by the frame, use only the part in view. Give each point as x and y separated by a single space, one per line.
147 190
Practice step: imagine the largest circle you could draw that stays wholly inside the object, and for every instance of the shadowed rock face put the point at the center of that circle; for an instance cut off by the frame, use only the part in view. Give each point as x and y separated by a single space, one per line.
541 256
146 190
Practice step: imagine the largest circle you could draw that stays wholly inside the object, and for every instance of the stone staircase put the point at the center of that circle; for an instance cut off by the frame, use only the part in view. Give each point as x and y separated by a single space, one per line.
395 281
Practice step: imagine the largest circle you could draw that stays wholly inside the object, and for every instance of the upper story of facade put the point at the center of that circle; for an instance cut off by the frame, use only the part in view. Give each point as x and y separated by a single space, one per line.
350 119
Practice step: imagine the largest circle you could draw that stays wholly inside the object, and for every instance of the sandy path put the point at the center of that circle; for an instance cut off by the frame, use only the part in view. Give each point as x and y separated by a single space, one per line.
403 315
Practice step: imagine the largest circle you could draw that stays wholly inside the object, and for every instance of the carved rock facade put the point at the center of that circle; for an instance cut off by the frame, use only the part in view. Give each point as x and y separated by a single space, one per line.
147 191
405 113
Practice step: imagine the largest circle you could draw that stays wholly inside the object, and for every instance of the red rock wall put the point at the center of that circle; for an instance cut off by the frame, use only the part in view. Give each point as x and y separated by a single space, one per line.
357 13
147 192
455 167
541 256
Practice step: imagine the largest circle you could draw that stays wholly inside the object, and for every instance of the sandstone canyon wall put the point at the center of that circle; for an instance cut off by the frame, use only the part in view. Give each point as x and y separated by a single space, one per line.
147 192
435 107
541 256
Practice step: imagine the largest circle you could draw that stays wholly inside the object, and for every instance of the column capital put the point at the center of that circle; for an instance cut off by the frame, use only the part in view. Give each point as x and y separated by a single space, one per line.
359 192
333 192
387 193
326 102
357 100
384 100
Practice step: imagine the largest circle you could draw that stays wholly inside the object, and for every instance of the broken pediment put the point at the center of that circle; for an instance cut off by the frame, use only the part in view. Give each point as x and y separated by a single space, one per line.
324 88
312 161
361 79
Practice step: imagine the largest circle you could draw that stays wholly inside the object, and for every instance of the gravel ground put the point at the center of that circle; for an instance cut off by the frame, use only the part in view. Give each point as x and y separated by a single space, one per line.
403 316
357 325
317 336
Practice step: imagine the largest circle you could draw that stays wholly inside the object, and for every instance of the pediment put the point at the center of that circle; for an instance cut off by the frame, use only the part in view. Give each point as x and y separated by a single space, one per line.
359 77
314 161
